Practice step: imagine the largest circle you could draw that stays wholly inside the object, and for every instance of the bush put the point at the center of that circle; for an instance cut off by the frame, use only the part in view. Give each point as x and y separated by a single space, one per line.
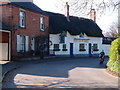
114 56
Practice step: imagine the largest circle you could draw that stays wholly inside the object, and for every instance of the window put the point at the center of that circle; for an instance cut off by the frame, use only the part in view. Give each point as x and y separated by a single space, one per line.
82 47
95 47
62 36
64 47
56 47
22 19
27 43
33 44
42 23
81 35
62 39
20 43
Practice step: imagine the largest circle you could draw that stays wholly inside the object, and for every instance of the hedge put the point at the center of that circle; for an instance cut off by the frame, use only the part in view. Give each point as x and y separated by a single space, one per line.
114 57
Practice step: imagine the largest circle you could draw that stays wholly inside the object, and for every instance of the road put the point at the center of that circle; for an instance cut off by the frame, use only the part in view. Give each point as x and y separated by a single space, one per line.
64 73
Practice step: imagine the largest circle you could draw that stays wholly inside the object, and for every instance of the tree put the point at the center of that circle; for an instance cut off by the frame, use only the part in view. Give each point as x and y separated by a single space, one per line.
42 45
114 57
113 30
83 7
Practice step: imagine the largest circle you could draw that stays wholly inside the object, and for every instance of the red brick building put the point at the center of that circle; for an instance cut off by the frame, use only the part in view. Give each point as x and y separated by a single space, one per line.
29 28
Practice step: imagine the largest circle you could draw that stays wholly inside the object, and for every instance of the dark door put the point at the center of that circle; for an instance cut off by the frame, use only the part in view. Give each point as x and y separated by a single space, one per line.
90 49
71 49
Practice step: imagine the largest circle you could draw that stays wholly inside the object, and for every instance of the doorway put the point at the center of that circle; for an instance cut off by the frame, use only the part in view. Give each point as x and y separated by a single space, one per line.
90 49
71 49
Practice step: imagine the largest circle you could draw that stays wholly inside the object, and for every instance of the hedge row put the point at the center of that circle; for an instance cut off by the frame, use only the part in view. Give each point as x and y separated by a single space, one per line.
114 57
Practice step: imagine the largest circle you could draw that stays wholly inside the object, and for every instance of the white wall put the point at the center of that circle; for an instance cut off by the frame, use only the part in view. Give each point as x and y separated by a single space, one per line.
55 40
98 41
106 49
70 39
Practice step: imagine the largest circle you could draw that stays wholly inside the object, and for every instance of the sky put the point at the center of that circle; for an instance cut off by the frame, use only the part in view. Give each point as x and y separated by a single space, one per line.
55 6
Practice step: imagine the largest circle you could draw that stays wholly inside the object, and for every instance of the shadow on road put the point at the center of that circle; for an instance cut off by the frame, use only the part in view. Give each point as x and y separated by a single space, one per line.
55 68
60 68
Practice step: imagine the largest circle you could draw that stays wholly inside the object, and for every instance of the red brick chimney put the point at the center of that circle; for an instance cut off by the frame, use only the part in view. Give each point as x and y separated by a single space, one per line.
67 10
8 1
93 15
4 2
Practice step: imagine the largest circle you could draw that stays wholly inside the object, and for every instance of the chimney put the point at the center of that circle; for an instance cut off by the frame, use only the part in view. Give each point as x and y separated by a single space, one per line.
31 0
67 10
8 1
93 15
4 1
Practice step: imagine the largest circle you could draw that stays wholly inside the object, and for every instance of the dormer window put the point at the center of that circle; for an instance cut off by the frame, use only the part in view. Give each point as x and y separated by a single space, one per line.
62 37
81 35
42 23
22 19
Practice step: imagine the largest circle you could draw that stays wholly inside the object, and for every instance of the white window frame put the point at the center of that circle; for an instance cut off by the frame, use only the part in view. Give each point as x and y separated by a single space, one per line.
22 18
64 46
20 43
80 45
33 44
42 23
57 47
94 46
27 43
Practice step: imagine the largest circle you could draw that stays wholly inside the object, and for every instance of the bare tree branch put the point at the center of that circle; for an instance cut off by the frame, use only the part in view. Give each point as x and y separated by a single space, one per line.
113 30
83 7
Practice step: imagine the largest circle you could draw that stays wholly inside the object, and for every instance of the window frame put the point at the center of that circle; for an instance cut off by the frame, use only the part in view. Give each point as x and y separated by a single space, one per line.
26 43
95 48
64 47
56 49
33 44
42 23
62 36
22 17
82 49
20 43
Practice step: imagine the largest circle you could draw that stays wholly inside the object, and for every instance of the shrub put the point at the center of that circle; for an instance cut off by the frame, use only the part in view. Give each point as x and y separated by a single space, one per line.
114 56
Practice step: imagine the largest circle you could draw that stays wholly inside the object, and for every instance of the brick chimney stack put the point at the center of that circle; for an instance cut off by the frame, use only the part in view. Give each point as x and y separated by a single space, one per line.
31 0
8 1
4 2
67 10
93 15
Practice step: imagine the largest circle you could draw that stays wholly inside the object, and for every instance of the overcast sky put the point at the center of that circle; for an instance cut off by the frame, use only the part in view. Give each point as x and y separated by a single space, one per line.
55 6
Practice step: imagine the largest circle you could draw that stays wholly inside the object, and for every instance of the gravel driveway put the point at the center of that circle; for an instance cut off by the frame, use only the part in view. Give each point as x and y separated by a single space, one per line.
67 73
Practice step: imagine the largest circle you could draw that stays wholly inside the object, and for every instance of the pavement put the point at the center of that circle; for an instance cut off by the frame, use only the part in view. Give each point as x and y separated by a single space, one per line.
75 72
4 62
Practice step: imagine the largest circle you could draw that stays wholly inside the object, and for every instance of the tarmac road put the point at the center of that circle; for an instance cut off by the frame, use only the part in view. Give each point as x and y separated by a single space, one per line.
67 73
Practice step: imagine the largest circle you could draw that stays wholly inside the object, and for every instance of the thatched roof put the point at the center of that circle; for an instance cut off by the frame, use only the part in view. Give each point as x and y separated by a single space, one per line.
75 25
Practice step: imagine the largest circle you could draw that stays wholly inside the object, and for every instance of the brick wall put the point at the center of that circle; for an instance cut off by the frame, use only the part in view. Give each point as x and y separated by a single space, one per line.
10 16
